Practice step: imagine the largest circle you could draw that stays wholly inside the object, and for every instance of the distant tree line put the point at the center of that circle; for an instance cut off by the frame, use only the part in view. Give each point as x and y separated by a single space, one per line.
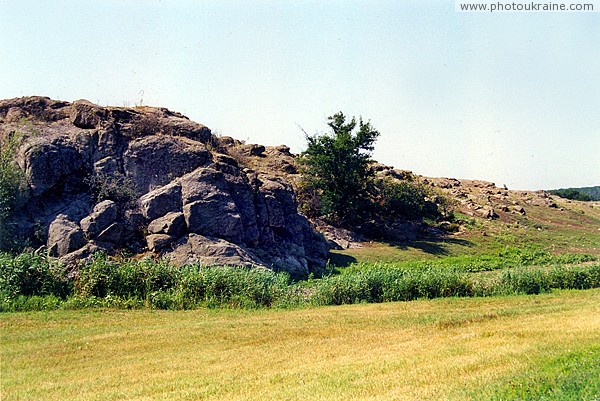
580 194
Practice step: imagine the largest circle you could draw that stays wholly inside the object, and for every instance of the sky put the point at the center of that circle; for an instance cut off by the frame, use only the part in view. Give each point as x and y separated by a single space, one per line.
512 98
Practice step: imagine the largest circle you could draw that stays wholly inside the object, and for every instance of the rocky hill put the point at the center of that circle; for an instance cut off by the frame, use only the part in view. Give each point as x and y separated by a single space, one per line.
148 180
151 182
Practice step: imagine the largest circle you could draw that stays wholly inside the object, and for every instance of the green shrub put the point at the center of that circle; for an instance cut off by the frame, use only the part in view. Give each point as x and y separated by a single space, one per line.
31 281
231 286
336 170
524 281
126 278
31 274
344 289
339 183
577 277
115 187
164 286
408 200
24 303
11 182
573 194
388 284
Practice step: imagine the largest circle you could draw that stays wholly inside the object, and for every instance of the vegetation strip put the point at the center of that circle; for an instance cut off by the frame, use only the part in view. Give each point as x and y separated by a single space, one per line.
34 282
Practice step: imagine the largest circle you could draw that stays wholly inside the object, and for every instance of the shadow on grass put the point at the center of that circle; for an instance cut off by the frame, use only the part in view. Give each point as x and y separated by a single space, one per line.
433 245
438 246
340 260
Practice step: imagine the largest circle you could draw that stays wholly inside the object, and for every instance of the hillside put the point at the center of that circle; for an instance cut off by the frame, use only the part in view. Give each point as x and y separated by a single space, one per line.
487 217
149 181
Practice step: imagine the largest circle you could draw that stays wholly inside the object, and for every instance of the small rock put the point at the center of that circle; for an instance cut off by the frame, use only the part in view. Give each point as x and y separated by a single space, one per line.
519 209
258 150
487 213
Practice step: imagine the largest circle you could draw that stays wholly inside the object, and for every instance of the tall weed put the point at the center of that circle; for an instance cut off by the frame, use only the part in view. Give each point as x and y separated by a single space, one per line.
32 281
31 274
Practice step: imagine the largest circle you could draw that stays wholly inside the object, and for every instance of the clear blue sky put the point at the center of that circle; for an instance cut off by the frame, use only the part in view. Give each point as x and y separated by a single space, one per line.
512 98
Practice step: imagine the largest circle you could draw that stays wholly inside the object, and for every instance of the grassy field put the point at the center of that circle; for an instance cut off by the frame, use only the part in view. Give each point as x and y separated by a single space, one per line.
519 347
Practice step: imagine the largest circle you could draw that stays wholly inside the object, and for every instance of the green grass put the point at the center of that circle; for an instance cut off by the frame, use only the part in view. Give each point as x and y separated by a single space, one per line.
573 230
571 376
516 347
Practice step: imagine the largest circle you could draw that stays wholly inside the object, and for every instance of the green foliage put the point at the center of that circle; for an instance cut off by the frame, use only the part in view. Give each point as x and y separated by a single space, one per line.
11 181
31 274
571 194
231 286
582 194
575 277
592 192
390 284
340 186
336 167
33 282
115 187
408 200
524 281
126 278
161 285
508 258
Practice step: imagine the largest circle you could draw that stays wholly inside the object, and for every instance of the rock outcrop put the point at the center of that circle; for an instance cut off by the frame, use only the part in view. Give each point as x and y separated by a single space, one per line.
151 181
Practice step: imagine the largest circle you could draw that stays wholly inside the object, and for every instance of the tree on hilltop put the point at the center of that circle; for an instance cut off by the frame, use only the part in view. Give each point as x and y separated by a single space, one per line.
336 168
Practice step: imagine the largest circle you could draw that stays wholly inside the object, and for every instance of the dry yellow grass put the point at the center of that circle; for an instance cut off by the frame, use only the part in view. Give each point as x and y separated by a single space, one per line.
425 350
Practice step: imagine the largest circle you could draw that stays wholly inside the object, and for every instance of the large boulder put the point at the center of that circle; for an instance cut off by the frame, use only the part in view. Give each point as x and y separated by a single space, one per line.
48 162
104 215
210 251
64 236
81 255
161 201
86 115
203 183
111 234
216 216
219 204
172 223
155 161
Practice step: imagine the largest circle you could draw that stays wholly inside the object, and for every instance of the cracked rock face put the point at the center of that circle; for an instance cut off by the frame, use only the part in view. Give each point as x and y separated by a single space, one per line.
151 181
